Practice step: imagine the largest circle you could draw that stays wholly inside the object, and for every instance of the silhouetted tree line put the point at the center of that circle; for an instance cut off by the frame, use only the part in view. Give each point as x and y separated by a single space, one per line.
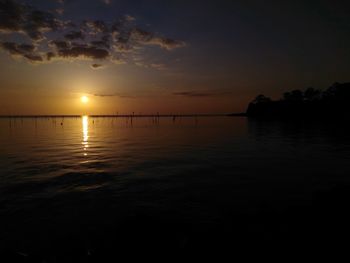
311 103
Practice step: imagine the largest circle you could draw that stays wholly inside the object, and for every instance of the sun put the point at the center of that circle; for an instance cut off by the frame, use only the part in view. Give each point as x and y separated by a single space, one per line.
84 99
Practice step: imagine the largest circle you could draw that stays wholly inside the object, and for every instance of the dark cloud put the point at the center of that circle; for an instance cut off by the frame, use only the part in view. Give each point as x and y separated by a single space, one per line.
117 27
167 43
11 16
27 47
141 35
93 39
50 55
192 94
146 37
33 57
15 17
129 18
115 95
158 66
96 26
106 95
59 11
38 22
60 44
87 52
74 35
104 42
23 50
14 48
122 44
96 66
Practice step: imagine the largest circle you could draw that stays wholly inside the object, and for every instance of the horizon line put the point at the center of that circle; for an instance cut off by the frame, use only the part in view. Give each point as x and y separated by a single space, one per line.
119 115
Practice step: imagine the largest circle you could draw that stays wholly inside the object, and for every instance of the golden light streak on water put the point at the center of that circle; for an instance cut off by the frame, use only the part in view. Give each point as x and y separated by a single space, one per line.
85 122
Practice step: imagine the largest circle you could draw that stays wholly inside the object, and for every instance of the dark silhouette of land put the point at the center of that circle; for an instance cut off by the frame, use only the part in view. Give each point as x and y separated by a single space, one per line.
332 103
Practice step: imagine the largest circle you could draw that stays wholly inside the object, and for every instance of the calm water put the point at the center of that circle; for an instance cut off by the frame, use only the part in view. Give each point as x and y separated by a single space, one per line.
94 186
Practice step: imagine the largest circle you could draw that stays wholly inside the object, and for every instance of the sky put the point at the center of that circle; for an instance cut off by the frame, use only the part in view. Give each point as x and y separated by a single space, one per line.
171 57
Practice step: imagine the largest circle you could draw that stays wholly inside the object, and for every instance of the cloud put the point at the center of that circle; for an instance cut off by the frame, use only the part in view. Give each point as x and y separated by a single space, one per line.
129 18
141 35
33 57
74 35
150 38
50 55
115 95
107 2
106 95
104 42
96 26
11 16
22 50
60 44
87 52
96 66
67 49
51 37
14 48
59 11
193 94
158 66
167 43
20 18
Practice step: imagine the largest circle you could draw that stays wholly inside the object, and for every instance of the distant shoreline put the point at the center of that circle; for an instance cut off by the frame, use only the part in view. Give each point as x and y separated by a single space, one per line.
311 104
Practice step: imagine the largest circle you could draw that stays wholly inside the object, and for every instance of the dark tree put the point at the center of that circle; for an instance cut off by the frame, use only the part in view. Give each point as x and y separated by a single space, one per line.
331 92
312 94
261 99
296 95
287 96
311 104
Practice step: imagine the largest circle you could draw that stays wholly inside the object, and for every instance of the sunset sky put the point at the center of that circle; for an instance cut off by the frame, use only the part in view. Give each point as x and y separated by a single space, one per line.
166 56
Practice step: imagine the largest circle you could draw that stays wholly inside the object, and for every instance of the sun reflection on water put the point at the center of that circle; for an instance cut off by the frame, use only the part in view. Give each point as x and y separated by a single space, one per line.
85 144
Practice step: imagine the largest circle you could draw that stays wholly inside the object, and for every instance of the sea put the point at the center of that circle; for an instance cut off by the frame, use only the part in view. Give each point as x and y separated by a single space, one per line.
89 188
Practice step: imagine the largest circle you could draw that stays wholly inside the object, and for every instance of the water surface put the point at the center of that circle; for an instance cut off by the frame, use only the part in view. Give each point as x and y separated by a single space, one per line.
85 187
